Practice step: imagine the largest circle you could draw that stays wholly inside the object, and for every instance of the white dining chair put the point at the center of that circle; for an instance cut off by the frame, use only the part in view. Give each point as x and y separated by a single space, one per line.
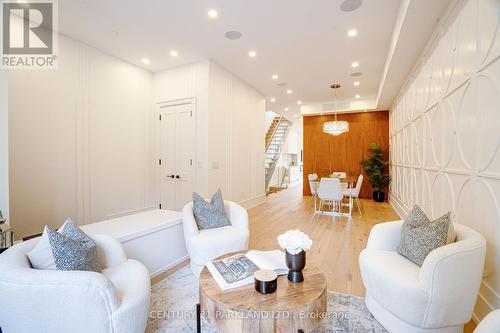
330 191
353 193
338 174
313 186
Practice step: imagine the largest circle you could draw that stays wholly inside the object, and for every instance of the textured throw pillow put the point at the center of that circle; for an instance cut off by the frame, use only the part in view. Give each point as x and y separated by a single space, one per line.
420 236
209 215
73 250
41 256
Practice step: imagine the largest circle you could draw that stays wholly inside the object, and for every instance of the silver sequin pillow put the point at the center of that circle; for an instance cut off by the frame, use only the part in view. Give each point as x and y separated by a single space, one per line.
420 236
73 250
209 215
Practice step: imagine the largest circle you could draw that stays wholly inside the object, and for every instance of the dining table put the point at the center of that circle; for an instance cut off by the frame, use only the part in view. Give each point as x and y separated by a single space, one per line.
348 182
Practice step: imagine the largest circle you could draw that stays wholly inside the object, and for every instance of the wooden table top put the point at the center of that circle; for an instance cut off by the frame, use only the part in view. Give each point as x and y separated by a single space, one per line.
349 179
288 296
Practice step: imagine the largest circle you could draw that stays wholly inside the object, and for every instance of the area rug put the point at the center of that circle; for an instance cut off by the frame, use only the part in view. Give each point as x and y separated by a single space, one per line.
173 303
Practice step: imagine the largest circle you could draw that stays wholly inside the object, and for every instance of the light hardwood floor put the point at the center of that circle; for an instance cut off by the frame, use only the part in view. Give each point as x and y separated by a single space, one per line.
337 241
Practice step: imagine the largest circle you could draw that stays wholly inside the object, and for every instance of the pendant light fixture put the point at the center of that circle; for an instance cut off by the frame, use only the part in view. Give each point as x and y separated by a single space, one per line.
335 127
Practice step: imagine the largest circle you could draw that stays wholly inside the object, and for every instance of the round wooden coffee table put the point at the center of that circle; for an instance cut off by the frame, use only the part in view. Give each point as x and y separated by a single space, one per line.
294 307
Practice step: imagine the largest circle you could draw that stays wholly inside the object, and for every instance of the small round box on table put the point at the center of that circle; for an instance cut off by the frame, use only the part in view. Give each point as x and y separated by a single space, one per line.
294 307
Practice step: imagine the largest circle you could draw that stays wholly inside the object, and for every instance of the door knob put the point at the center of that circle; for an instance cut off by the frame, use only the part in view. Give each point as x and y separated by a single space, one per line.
171 176
178 177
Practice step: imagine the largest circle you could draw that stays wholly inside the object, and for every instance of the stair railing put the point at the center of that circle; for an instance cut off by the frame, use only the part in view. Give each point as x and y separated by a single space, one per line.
274 132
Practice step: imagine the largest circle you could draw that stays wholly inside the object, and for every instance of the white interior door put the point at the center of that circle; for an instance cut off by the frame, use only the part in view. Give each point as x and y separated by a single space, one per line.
177 155
184 156
167 158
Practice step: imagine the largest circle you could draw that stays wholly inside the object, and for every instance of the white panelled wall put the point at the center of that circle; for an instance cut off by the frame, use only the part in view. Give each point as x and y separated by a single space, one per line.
4 145
188 82
445 131
229 118
79 140
235 139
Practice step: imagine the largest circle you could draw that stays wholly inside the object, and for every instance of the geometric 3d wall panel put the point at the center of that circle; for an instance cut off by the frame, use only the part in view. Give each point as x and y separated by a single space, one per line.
445 131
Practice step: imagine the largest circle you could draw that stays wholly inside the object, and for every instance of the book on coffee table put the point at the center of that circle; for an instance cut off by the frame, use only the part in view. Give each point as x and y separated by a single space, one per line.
237 270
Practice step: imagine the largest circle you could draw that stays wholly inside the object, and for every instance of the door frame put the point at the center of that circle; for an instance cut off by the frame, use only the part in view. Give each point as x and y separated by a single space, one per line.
157 113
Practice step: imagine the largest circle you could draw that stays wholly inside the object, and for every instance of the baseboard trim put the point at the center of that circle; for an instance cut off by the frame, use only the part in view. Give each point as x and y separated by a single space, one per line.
397 206
252 202
487 301
169 266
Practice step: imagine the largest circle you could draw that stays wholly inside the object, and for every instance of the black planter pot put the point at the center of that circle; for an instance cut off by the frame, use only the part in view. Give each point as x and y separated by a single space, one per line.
295 264
379 196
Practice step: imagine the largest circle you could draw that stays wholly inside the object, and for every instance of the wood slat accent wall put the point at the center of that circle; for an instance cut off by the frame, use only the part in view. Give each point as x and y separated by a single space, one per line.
324 153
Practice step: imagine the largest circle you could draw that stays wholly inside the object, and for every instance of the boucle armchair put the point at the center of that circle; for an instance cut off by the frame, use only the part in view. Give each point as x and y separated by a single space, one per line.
438 297
54 301
205 245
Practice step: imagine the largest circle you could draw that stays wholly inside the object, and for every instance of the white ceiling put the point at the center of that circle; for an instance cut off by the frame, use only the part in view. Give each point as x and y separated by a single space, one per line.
304 42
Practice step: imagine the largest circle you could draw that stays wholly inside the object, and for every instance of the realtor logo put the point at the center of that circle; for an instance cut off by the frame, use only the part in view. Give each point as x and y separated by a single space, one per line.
29 35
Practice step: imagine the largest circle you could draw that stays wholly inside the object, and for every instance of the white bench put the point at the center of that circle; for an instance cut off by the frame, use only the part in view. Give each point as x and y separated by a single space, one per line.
153 237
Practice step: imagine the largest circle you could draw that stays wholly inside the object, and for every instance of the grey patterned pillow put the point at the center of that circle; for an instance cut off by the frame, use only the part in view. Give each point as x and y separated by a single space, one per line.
72 249
420 236
209 215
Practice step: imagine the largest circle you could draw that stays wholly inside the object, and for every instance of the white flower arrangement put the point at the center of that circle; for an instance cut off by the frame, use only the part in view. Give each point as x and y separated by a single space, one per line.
294 241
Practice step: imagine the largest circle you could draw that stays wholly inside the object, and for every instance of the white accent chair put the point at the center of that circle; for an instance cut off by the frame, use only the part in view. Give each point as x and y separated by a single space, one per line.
330 191
490 323
205 245
438 297
54 301
313 186
354 192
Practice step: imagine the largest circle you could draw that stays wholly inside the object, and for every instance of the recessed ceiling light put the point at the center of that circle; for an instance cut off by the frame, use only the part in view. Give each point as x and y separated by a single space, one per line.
233 34
274 77
352 32
296 115
350 5
289 91
174 53
212 13
299 102
357 96
356 83
145 61
273 100
252 54
355 64
286 109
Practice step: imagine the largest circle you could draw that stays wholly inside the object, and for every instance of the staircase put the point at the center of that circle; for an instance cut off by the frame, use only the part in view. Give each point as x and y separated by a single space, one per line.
275 139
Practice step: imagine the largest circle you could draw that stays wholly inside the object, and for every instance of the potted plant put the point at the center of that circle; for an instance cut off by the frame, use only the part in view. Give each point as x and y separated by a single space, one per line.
374 166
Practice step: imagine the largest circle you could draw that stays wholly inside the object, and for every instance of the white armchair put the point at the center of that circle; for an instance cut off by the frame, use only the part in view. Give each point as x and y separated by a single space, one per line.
490 323
205 245
54 301
438 297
